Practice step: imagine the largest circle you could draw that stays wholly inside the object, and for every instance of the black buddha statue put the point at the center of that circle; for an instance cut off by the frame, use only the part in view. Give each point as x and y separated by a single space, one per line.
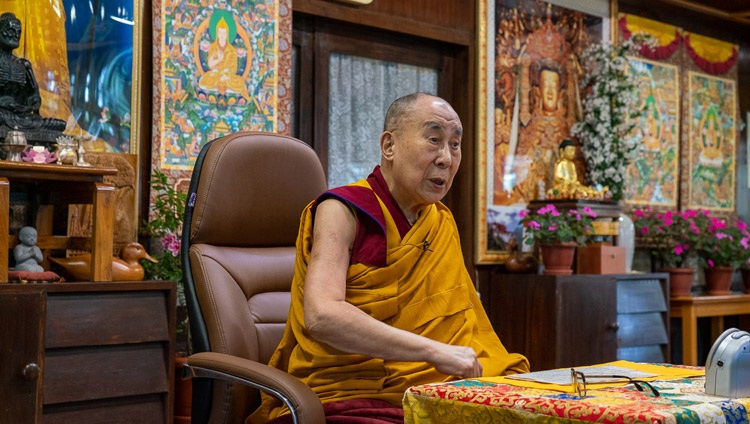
19 92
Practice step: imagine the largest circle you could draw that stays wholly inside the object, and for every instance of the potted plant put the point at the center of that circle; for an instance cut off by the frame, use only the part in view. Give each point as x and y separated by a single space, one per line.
723 249
745 262
165 229
674 238
611 110
557 233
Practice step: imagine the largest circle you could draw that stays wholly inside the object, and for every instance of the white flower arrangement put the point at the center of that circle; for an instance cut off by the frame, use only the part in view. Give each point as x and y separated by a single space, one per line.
610 112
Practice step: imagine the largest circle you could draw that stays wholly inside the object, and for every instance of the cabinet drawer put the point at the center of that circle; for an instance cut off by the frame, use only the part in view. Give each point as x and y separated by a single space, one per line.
106 318
83 374
641 329
636 296
142 410
652 353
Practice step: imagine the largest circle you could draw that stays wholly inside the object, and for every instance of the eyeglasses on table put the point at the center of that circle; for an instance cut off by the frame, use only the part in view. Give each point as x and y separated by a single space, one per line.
578 380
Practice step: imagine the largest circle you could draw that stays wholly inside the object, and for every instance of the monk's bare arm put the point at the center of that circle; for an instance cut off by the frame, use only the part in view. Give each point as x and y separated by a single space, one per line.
332 320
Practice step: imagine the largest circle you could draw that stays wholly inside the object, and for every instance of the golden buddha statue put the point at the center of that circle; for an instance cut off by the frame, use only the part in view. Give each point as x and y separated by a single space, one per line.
565 184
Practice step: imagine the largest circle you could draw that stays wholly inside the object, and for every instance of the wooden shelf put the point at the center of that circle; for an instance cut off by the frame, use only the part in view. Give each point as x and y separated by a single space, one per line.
54 185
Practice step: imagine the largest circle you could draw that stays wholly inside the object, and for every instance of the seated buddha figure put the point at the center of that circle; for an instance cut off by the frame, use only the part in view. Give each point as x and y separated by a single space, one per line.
19 92
565 184
222 64
711 137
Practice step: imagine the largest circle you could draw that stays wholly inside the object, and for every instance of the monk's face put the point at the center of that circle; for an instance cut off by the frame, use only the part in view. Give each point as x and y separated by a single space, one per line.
426 153
221 34
550 89
10 33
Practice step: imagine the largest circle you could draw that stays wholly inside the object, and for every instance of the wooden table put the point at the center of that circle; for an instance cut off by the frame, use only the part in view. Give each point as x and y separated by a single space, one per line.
61 185
690 308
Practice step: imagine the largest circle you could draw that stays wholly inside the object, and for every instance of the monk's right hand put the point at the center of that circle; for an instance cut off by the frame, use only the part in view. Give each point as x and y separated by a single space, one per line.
460 361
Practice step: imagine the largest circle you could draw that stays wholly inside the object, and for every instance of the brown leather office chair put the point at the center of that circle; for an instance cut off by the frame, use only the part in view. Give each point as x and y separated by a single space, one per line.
245 200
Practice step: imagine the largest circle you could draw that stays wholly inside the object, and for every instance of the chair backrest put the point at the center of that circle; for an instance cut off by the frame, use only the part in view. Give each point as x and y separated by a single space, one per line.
246 197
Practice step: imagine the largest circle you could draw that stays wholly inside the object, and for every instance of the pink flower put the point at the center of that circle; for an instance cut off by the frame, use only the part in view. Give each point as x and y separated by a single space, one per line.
710 263
171 243
552 227
678 249
689 214
720 236
644 230
522 214
534 225
587 210
742 226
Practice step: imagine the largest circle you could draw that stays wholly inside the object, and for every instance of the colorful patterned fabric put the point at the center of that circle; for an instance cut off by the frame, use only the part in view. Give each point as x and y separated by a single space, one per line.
472 401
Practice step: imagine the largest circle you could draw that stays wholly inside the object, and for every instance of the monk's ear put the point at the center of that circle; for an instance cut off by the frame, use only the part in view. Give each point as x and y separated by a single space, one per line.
386 144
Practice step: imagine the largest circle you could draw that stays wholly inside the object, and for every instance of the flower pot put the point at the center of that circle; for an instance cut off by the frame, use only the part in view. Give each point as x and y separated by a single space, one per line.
746 279
718 280
183 393
558 258
680 281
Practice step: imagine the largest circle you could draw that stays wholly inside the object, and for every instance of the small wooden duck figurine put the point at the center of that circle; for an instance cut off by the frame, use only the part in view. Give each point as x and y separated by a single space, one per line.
125 268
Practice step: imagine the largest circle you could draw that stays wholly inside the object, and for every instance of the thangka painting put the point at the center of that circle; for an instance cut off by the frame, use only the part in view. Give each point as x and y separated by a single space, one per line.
528 100
85 59
653 177
224 67
712 142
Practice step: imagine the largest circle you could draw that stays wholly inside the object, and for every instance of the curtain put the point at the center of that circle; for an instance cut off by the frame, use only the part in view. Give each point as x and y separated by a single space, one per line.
361 90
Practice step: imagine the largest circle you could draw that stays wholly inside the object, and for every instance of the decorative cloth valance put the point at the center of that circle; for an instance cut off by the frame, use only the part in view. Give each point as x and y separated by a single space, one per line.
668 37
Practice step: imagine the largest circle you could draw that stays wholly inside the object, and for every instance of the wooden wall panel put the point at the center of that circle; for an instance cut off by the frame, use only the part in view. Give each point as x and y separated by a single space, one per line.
448 20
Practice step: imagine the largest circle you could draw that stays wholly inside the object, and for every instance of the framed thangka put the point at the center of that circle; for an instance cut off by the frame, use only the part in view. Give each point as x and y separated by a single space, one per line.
653 177
712 142
223 66
528 99
86 59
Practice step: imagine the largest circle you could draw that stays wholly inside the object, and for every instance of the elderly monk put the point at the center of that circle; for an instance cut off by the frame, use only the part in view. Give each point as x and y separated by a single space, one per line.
381 299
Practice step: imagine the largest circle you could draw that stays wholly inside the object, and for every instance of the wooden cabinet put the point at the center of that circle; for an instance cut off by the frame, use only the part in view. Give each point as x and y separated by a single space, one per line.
103 352
574 320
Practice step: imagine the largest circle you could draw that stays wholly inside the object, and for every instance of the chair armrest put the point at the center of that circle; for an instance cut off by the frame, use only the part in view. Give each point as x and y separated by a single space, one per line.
303 403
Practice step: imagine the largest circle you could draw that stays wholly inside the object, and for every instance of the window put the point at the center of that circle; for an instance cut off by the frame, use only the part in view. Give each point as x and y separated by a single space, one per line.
345 78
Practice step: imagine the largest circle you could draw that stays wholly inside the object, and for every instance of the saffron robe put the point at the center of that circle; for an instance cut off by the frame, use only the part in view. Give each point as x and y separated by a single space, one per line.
423 288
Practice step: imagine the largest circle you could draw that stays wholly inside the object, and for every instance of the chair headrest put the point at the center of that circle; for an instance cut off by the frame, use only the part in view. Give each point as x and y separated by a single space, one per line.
252 189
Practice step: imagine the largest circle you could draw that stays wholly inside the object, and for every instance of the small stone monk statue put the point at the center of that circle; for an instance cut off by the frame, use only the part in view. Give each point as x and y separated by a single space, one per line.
565 184
19 92
27 254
